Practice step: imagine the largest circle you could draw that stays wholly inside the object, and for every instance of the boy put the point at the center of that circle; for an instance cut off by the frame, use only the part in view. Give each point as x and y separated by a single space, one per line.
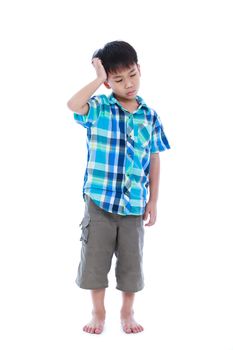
124 138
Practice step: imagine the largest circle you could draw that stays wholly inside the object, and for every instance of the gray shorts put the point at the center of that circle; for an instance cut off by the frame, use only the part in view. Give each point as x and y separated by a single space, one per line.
104 234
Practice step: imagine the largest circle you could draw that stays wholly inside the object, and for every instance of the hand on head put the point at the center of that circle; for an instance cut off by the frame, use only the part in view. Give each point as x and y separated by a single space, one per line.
100 71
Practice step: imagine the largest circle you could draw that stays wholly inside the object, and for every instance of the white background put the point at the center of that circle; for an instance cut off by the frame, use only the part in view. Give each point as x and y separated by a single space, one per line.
185 52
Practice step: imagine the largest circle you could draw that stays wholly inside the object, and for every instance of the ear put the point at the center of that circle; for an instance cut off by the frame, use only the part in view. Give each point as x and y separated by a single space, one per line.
139 69
106 84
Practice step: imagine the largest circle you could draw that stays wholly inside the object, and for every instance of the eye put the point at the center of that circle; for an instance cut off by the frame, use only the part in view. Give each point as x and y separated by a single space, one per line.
118 81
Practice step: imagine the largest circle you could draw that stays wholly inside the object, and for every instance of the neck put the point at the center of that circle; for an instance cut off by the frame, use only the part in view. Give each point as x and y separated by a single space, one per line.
125 101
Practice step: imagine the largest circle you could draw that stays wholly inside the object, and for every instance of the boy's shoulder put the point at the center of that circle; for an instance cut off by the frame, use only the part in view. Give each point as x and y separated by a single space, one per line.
151 113
100 98
142 102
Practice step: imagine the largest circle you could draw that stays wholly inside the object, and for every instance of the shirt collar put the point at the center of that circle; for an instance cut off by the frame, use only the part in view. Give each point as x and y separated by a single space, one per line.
139 99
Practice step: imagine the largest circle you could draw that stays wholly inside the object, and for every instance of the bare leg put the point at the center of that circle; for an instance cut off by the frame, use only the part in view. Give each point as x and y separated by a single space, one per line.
129 325
98 313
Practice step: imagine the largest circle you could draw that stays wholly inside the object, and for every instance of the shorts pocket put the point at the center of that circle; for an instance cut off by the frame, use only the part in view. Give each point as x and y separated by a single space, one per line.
85 228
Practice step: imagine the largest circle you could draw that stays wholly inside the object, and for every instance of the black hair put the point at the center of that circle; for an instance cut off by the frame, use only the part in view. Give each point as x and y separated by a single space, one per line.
116 55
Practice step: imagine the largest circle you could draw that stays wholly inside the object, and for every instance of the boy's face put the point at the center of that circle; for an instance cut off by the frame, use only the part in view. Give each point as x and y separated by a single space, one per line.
125 82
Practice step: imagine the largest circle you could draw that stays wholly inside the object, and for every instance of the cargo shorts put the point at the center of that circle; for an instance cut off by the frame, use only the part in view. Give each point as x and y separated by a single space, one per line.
104 234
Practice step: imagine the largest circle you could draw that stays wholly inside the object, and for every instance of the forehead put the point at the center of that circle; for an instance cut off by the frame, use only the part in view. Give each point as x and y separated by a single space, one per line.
122 71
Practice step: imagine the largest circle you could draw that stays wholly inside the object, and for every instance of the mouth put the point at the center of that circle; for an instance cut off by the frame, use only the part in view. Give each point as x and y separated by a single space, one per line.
131 93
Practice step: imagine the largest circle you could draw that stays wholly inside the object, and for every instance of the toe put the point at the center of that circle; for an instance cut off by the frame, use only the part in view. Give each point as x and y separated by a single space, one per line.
140 328
127 329
98 330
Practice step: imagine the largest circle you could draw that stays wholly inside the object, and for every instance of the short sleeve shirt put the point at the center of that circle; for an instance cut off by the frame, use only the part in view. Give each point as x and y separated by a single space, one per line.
119 146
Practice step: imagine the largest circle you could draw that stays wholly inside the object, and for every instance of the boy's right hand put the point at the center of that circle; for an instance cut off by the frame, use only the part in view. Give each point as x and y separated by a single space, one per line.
100 71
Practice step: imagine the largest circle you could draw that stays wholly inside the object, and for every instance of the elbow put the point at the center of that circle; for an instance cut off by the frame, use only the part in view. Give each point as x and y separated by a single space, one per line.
70 105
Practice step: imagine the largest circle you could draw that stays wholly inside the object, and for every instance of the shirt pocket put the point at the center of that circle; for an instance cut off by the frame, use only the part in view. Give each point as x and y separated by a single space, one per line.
144 131
85 229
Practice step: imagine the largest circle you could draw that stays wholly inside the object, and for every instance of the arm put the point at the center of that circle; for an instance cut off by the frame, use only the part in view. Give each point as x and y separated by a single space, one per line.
151 206
78 103
154 178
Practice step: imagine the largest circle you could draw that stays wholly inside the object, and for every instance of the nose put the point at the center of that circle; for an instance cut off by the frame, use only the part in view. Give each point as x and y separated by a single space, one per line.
128 83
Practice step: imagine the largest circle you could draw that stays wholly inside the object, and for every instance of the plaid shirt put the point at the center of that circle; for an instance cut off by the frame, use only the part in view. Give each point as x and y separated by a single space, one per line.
119 145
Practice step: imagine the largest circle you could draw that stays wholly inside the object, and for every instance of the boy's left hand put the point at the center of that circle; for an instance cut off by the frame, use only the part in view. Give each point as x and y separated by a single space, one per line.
151 209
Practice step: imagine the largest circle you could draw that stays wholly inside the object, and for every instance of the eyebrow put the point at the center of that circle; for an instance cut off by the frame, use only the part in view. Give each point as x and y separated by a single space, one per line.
119 76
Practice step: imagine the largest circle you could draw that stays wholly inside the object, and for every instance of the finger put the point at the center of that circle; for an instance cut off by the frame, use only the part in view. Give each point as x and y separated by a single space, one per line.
147 224
150 223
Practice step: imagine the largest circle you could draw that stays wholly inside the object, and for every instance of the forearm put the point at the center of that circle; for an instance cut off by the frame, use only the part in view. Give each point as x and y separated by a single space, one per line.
82 96
154 177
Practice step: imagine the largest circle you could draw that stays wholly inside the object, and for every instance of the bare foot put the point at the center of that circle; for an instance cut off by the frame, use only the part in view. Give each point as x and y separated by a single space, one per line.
129 324
96 325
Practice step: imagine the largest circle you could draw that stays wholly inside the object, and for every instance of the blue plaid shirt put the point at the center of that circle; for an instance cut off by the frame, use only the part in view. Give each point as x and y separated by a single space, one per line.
119 145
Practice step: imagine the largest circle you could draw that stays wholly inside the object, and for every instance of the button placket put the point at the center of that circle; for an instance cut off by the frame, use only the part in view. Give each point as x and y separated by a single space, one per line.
129 154
130 145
